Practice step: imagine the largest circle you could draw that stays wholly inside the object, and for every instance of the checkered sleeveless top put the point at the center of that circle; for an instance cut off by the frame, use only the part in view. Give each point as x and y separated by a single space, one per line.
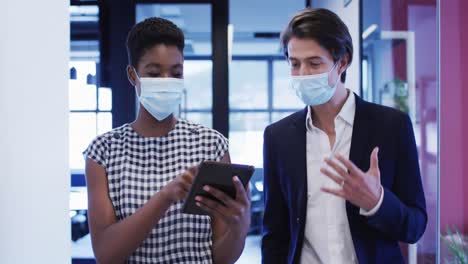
137 167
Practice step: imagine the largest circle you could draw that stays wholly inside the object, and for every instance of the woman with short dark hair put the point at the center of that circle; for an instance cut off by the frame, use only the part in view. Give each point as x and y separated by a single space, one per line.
139 174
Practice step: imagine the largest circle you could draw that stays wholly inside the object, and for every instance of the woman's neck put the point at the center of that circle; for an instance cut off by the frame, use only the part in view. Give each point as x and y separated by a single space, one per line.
148 126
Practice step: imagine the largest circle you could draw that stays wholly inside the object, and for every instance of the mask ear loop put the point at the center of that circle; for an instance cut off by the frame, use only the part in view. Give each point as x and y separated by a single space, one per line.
339 76
136 73
136 89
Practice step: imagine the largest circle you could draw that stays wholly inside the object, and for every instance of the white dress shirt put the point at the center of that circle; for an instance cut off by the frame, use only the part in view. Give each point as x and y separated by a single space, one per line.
327 237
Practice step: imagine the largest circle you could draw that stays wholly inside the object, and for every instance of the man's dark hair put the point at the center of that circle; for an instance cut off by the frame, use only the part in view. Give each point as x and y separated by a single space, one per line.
150 32
323 26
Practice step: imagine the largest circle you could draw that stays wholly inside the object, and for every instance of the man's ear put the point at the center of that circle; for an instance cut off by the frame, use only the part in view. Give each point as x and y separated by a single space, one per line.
131 75
343 64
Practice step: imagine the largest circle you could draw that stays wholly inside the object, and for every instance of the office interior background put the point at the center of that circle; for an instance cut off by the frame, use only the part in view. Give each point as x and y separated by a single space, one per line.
63 82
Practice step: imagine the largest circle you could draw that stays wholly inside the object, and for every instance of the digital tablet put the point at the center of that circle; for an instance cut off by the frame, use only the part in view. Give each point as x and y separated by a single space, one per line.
218 175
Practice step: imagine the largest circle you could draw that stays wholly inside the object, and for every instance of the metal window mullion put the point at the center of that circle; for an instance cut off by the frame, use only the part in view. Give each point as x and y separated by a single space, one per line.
270 89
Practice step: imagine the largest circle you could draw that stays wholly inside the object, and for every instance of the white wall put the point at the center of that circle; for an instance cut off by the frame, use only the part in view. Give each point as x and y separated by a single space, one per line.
34 178
350 16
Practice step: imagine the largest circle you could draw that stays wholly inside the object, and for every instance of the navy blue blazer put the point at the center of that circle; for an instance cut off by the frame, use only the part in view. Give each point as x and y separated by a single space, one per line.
402 215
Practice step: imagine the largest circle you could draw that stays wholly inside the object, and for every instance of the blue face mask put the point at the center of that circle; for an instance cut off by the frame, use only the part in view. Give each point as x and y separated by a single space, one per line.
161 97
313 89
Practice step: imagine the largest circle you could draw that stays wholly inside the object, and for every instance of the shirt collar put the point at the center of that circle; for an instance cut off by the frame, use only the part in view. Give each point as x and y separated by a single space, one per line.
346 113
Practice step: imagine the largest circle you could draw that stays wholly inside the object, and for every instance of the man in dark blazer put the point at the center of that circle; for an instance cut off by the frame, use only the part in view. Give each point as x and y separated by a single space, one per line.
342 181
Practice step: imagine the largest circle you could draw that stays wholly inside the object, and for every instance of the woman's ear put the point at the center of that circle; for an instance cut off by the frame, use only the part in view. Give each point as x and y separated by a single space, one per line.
131 75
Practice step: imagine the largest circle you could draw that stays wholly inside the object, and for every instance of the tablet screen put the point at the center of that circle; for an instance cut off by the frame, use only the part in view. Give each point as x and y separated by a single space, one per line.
218 175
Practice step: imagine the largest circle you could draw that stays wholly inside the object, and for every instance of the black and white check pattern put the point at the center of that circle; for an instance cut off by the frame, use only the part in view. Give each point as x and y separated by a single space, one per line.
137 167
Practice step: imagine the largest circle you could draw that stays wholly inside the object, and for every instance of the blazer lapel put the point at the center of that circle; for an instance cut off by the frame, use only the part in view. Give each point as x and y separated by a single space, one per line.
298 155
359 144
298 159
